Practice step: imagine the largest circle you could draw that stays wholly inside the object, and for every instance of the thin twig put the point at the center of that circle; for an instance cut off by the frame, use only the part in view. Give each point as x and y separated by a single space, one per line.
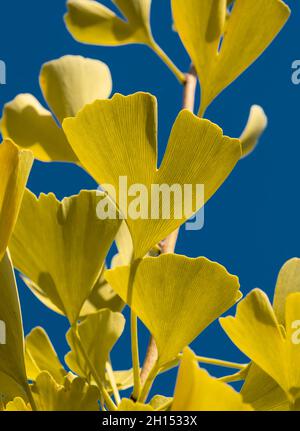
112 381
208 361
164 57
221 363
150 359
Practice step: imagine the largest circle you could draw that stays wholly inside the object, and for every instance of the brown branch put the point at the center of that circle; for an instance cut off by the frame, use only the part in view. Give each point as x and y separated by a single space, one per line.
168 244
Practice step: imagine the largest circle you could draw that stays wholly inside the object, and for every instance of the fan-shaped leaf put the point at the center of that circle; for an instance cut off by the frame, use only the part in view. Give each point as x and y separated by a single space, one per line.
102 296
72 396
41 356
176 297
17 405
221 49
288 281
13 380
61 247
98 334
91 22
196 390
15 167
262 392
32 127
116 139
274 351
68 84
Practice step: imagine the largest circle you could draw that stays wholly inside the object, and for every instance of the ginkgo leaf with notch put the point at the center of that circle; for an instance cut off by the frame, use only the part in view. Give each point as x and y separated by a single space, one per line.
15 167
116 140
262 392
67 84
13 379
41 356
76 395
258 334
196 390
18 405
222 46
288 282
98 333
91 22
176 298
61 247
101 296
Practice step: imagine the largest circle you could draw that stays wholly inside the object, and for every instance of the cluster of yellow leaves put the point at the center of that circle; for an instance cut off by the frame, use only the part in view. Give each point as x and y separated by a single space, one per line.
221 38
269 336
60 248
15 169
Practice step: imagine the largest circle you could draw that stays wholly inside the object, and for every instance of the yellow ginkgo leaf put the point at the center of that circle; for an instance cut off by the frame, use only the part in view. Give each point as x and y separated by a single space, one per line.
71 82
255 127
102 296
160 402
68 84
33 127
98 334
76 395
17 405
91 22
124 379
196 390
288 281
41 356
15 167
61 247
127 405
292 319
257 333
13 379
176 298
221 49
116 141
9 389
262 392
125 247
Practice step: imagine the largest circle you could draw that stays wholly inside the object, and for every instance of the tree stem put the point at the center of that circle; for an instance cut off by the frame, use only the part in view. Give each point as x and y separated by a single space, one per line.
168 244
148 383
150 359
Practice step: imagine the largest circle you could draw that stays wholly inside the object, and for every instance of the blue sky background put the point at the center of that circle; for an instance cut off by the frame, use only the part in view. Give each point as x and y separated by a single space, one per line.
251 224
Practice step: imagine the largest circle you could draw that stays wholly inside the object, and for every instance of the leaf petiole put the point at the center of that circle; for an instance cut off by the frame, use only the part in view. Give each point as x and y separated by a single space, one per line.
164 57
109 402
